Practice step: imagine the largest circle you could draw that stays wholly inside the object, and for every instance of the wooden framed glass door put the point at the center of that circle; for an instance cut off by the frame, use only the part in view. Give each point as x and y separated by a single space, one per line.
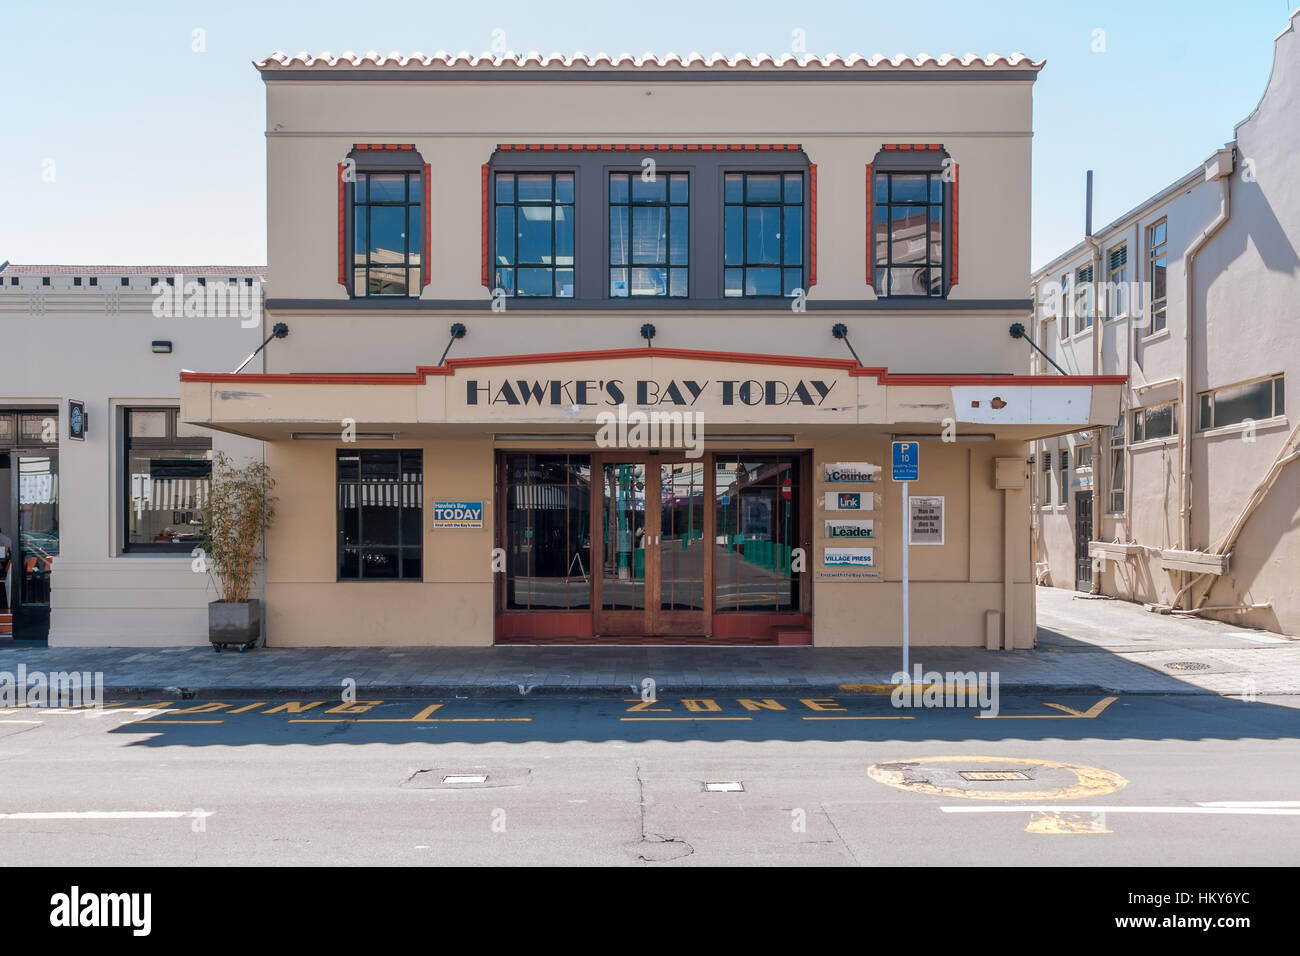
651 556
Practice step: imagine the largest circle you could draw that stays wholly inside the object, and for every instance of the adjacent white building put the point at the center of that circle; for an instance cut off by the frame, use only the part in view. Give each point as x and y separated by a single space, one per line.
103 525
1192 499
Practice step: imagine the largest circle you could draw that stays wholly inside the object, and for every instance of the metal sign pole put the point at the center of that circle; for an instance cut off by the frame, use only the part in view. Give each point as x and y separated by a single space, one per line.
904 523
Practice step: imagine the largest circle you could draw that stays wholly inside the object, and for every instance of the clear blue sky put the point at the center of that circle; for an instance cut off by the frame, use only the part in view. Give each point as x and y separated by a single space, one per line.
158 152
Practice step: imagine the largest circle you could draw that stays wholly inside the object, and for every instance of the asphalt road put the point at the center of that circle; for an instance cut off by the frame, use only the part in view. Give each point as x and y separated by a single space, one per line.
1139 780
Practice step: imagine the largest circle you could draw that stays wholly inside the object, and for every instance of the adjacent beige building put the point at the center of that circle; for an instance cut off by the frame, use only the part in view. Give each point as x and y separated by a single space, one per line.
101 482
489 267
1190 498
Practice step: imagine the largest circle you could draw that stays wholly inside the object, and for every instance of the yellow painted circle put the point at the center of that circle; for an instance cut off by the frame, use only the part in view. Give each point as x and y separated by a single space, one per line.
1089 781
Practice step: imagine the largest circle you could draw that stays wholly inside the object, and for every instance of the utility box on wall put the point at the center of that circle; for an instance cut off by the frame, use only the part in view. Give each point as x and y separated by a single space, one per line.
1009 473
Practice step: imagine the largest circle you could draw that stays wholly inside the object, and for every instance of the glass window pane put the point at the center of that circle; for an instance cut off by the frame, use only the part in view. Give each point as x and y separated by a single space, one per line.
792 237
359 188
411 564
618 187
535 282
679 188
679 246
880 193
793 281
414 191
617 283
387 187
734 237
907 232
564 283
506 280
656 190
168 490
762 234
762 188
1279 397
677 282
564 187
649 281
387 234
534 186
908 188
1207 414
359 235
649 234
505 187
617 236
148 424
880 229
936 188
909 281
734 188
733 281
415 228
794 187
762 282
505 235
564 235
535 234
1235 405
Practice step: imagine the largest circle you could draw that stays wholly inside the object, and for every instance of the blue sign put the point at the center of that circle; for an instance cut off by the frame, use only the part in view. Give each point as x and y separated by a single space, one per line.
907 461
458 514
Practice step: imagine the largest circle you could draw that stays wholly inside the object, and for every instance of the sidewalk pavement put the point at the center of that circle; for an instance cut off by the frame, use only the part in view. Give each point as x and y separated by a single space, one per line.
1085 646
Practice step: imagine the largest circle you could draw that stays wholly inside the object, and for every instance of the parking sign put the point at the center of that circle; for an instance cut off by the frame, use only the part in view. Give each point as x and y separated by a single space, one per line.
907 461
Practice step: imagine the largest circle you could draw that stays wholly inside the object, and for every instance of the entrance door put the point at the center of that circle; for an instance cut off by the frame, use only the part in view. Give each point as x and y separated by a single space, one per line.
650 553
1082 535
36 543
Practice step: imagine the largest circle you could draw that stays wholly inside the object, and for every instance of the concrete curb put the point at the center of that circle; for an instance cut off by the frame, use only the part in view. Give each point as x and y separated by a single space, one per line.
514 691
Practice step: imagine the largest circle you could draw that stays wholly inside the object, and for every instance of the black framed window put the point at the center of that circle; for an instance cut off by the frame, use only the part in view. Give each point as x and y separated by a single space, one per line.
907 234
387 233
534 234
1157 275
168 471
380 514
547 531
1116 505
1156 421
757 520
763 234
649 234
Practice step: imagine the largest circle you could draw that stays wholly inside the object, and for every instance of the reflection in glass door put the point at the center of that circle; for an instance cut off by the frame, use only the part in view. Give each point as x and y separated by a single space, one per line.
623 546
37 477
681 543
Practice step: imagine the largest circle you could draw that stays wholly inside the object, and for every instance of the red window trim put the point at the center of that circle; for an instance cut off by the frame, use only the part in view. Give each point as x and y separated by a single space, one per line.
487 279
343 218
812 225
956 246
871 218
428 220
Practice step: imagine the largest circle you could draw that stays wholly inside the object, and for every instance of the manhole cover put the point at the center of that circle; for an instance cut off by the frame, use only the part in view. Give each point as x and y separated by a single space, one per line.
462 778
994 774
1187 666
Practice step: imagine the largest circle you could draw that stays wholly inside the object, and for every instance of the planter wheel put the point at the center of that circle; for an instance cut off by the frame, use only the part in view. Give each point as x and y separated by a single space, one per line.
216 648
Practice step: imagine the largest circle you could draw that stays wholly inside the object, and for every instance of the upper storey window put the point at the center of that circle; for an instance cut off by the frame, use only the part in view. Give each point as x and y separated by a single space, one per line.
387 237
649 234
534 234
908 233
763 234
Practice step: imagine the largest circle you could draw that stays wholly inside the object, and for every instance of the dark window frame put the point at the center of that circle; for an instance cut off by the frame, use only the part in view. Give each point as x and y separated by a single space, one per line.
745 204
405 487
1207 401
413 207
887 166
169 442
628 206
515 204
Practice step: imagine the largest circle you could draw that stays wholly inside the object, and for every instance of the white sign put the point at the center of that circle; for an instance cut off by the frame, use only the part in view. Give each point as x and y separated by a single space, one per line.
850 501
834 472
849 557
850 529
925 522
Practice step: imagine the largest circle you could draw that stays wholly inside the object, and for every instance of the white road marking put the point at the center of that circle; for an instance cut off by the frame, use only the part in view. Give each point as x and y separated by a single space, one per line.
1251 803
105 814
22 721
1048 808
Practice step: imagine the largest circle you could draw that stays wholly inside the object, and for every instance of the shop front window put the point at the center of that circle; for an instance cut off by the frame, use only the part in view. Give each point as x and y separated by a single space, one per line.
548 532
756 508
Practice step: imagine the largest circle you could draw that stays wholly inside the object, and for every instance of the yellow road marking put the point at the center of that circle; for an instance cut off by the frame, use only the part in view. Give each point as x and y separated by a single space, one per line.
660 719
248 707
1056 823
1069 713
1089 781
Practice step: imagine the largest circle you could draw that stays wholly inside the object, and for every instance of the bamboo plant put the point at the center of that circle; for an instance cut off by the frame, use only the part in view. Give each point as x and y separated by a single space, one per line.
239 510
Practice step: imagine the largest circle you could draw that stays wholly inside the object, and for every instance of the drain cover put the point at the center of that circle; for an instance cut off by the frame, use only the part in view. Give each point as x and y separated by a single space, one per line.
994 775
1187 666
465 778
725 786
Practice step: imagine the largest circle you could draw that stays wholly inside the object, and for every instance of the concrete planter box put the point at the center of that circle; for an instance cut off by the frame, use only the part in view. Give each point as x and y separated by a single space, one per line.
235 623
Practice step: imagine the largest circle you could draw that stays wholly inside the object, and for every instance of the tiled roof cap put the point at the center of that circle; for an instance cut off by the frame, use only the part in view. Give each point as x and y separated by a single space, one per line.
66 270
648 62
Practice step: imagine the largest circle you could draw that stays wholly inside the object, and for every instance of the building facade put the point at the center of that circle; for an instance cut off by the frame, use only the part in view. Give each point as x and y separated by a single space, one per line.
1190 498
600 350
101 482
